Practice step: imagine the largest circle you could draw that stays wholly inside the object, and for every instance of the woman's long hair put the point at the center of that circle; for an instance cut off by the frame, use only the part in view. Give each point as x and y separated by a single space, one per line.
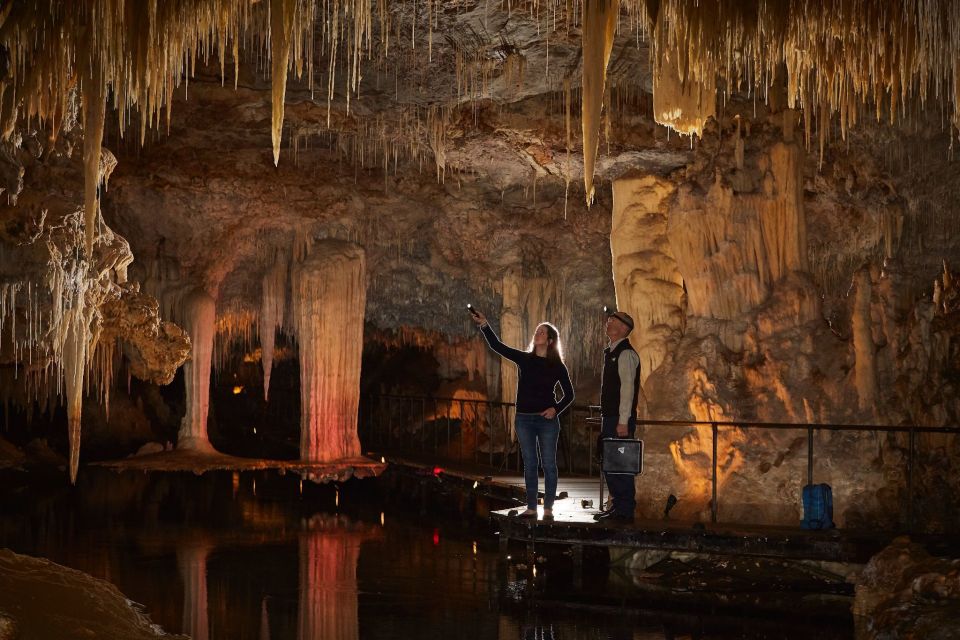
554 348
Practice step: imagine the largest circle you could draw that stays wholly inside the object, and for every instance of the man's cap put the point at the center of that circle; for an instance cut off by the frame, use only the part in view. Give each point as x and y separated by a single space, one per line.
623 317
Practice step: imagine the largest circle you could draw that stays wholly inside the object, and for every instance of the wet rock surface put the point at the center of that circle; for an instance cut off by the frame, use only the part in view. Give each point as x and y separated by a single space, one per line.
904 592
41 599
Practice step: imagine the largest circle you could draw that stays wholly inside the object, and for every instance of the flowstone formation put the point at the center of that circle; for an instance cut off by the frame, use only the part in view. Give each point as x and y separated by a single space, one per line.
739 319
68 313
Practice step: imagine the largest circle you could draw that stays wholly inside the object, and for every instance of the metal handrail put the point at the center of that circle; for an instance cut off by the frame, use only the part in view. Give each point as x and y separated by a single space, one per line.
381 416
592 411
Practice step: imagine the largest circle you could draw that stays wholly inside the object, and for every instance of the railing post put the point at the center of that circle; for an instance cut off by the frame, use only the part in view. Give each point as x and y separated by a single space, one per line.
463 421
590 454
389 417
423 441
713 502
910 457
809 455
491 433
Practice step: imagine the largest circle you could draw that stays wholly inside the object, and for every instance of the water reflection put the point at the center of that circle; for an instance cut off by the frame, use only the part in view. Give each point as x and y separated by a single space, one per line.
192 563
329 551
224 563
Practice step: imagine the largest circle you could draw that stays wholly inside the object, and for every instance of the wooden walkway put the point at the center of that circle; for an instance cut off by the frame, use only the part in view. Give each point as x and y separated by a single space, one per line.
573 524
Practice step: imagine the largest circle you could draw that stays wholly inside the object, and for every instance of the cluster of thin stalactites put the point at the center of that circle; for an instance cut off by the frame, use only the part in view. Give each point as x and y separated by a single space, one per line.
835 56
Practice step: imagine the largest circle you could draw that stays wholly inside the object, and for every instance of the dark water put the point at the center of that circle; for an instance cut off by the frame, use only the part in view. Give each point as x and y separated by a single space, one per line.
260 556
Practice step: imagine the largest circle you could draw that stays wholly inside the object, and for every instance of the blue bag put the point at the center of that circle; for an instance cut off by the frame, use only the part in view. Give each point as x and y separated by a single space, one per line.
817 507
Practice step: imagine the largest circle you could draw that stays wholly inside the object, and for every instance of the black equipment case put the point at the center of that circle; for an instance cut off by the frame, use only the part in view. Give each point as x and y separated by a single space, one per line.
623 455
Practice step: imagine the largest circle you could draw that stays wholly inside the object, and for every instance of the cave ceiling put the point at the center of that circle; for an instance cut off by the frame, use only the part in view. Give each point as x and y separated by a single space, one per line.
446 137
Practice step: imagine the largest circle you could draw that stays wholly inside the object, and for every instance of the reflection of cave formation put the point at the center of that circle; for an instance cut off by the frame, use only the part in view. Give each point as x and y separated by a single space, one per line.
329 551
192 562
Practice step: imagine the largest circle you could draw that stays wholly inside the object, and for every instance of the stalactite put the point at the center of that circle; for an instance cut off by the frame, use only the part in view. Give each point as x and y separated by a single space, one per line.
599 28
236 327
272 308
281 25
94 110
198 318
329 290
76 329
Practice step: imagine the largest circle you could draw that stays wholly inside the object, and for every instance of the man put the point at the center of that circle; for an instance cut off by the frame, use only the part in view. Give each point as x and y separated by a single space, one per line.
619 391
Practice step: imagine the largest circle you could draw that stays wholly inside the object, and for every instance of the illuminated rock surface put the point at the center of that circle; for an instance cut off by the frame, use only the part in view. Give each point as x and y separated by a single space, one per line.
41 599
905 592
443 142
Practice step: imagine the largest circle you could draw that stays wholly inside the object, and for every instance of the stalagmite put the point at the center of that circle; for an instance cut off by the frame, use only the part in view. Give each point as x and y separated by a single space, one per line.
865 352
599 28
329 299
273 304
192 563
198 311
646 279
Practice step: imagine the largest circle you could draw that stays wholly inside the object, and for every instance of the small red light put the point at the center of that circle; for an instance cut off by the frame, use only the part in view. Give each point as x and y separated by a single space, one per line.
436 537
437 471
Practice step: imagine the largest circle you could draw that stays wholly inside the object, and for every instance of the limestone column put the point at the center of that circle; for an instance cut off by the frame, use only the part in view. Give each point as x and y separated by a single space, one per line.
329 300
646 279
198 312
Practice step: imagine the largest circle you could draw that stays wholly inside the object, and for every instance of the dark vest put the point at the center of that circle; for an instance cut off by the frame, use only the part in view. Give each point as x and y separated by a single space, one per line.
610 382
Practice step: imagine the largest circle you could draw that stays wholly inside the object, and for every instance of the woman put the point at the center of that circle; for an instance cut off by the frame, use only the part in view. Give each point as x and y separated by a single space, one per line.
540 368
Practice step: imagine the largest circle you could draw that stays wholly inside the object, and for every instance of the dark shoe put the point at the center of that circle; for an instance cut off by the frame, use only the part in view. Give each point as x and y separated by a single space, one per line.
610 517
527 514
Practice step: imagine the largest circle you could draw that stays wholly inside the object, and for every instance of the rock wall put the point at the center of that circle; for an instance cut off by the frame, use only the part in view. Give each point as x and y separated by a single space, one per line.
736 324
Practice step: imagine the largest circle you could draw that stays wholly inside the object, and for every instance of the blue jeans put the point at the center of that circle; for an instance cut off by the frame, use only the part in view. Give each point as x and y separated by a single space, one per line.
531 430
622 487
